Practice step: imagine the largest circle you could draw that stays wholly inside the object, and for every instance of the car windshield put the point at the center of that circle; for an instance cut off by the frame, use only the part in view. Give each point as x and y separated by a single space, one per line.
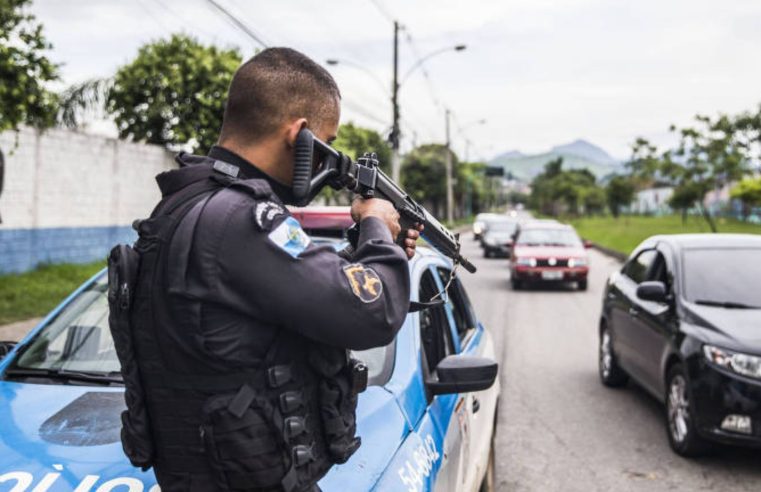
728 277
549 237
79 339
502 227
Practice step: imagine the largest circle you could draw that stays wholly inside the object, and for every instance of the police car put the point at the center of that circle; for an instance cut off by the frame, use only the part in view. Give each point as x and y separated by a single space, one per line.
59 423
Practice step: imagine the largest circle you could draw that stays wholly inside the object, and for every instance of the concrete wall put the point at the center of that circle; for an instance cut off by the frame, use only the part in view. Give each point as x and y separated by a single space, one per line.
69 196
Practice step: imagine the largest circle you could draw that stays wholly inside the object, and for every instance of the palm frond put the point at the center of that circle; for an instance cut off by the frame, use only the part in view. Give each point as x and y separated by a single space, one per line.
83 101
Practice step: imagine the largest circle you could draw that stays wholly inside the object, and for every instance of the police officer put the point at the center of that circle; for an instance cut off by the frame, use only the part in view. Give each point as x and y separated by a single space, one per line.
240 322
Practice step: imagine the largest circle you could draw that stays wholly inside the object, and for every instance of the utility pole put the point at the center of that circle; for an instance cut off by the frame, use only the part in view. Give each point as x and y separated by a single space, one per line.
394 137
450 194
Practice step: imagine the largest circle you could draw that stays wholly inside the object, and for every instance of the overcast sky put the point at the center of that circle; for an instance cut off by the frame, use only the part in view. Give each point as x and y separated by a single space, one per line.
541 72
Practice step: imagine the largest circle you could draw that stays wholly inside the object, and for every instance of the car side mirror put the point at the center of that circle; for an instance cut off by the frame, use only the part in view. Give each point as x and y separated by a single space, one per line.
588 244
463 374
5 348
652 290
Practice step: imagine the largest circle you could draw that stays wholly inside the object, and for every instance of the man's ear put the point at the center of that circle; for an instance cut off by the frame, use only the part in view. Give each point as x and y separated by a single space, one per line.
293 129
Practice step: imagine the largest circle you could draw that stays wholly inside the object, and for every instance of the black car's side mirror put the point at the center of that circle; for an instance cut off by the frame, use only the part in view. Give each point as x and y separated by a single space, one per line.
652 290
463 374
5 348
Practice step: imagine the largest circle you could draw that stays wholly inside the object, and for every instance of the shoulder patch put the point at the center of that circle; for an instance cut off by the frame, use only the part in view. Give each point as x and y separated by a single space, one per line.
364 282
265 214
290 237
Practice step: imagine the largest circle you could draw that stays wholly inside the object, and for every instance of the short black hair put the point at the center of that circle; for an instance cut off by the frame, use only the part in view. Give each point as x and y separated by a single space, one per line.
274 86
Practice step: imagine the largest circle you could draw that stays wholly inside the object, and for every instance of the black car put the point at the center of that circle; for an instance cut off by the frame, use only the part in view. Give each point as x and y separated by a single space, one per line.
683 319
498 237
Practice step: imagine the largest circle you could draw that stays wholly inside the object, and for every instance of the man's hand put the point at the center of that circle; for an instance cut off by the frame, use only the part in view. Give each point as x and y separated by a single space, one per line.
410 243
362 208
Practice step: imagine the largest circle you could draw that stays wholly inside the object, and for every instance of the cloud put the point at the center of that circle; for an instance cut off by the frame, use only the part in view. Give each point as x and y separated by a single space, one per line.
541 71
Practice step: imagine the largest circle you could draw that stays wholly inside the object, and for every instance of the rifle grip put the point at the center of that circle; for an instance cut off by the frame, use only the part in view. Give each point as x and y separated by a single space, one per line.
405 224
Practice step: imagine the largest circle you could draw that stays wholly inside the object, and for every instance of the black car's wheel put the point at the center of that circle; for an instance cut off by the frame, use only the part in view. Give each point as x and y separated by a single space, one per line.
516 283
611 374
582 284
680 422
487 253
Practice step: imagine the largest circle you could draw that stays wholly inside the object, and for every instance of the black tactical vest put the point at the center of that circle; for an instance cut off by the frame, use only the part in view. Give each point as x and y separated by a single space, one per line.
277 426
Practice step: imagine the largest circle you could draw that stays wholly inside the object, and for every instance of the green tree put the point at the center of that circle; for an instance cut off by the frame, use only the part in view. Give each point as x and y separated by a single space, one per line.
708 157
354 141
645 164
594 199
619 193
748 133
24 69
556 190
173 93
424 176
748 191
472 191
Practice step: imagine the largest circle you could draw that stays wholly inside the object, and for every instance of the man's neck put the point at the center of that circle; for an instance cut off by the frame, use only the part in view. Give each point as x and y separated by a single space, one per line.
265 157
251 170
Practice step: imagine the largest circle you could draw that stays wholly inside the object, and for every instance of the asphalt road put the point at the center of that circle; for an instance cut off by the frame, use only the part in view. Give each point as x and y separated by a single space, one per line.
559 429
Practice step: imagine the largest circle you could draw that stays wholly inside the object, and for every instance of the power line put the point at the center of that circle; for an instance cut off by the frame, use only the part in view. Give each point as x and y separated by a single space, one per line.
156 19
174 14
383 10
238 23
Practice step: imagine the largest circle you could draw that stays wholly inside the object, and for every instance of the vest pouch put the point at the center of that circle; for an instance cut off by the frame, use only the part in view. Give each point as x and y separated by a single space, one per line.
123 266
338 406
242 445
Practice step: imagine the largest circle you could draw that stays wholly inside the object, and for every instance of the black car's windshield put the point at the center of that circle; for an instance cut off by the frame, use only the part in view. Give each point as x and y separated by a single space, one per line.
723 277
549 237
77 340
502 227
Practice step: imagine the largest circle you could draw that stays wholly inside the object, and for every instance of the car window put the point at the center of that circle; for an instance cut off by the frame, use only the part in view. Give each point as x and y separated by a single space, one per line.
77 339
638 267
722 275
435 335
462 309
659 270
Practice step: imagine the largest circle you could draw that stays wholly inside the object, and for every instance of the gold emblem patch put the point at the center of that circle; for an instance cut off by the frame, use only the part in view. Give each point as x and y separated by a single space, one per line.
364 282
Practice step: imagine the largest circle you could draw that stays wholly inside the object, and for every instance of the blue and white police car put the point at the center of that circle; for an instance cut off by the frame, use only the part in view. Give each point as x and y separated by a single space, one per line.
61 397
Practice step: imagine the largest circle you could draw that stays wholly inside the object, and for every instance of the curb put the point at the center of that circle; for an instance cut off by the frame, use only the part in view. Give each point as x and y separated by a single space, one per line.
617 255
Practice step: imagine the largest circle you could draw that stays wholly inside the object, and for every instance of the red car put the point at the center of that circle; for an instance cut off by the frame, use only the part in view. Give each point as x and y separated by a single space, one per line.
323 221
548 252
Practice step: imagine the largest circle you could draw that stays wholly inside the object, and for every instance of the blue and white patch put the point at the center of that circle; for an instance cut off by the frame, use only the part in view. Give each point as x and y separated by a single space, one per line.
290 237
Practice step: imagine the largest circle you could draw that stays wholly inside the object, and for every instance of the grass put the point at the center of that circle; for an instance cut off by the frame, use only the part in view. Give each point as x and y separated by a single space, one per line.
626 232
33 294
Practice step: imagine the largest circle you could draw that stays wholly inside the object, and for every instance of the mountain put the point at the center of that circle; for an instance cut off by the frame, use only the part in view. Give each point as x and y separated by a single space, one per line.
512 154
586 150
578 154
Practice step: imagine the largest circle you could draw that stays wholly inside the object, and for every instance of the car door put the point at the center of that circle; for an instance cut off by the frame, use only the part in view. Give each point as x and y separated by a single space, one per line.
652 325
446 411
479 406
623 311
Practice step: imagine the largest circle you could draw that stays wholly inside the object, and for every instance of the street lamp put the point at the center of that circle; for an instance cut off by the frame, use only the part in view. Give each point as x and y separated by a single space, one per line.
394 136
459 47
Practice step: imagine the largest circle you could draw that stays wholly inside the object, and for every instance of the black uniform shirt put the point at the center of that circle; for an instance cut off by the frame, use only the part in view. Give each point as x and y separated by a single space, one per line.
243 271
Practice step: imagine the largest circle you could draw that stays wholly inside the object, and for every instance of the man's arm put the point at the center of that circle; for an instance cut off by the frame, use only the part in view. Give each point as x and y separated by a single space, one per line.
275 276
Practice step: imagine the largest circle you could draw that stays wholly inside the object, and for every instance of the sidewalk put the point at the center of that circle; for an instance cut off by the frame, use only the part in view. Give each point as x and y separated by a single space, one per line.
16 331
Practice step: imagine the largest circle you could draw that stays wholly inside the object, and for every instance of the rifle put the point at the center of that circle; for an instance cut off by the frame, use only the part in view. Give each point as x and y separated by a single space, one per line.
318 165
